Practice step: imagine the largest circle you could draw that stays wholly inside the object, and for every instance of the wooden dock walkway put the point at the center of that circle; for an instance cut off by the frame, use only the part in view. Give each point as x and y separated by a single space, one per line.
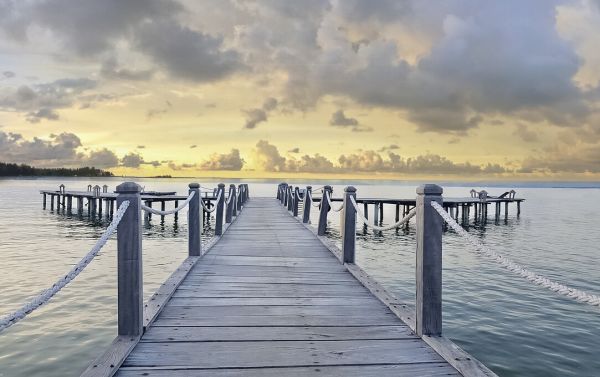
269 299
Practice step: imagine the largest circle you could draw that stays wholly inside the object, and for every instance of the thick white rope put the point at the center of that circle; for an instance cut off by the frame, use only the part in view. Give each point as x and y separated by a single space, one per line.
12 318
328 196
364 219
228 200
508 264
312 202
172 211
213 208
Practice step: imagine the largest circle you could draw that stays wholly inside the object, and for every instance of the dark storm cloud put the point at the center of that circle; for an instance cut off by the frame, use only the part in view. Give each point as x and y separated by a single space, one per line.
340 119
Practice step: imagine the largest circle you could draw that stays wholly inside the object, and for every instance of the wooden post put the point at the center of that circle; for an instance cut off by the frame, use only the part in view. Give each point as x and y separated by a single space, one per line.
323 212
99 207
80 205
296 200
397 212
69 204
366 209
518 208
381 211
349 226
239 197
51 202
220 209
112 207
429 262
129 256
148 214
291 198
505 210
235 208
307 205
162 208
376 213
44 202
230 205
194 243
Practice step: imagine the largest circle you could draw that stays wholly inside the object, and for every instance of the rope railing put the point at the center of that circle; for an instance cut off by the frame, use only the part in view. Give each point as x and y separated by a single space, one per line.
366 221
514 267
312 202
209 210
328 196
229 197
12 318
169 212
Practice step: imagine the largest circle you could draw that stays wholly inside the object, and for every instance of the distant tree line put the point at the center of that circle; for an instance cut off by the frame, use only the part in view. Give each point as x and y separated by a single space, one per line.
13 170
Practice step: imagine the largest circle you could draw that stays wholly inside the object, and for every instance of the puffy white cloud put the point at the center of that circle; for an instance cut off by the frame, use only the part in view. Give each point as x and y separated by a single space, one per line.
223 161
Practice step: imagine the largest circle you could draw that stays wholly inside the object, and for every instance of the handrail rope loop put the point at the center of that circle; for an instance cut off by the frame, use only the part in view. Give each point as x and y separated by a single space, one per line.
512 266
229 197
215 207
328 196
312 202
42 298
364 219
169 212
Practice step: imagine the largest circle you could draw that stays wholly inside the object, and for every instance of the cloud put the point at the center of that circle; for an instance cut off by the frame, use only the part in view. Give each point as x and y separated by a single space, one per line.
193 146
391 147
565 159
43 113
268 158
155 113
225 161
294 150
340 119
525 133
41 101
102 158
185 53
135 160
110 70
8 74
259 115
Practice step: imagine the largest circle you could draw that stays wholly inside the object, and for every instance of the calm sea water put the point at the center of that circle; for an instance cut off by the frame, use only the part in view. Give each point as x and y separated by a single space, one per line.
515 328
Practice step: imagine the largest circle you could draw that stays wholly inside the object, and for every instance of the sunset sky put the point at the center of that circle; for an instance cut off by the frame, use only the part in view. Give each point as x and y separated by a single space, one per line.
504 89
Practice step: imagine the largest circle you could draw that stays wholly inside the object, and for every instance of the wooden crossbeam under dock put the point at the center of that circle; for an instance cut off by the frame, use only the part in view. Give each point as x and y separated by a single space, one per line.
270 299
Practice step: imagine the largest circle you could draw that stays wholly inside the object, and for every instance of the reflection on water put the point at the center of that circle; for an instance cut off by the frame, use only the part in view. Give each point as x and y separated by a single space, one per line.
515 328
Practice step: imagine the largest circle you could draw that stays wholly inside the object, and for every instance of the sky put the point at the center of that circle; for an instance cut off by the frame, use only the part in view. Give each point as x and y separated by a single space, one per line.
389 89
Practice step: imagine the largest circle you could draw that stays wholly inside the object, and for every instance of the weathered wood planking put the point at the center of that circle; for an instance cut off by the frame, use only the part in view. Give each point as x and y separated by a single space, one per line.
269 300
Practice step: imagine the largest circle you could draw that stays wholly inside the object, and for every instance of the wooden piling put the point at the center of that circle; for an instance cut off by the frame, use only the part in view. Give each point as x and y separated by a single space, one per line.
429 262
220 210
323 211
348 226
307 205
129 256
44 202
194 232
296 200
230 204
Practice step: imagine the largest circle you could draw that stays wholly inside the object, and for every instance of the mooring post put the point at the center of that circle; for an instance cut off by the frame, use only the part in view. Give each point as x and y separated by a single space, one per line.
307 205
129 257
349 226
194 244
230 205
220 209
429 262
296 200
327 190
239 197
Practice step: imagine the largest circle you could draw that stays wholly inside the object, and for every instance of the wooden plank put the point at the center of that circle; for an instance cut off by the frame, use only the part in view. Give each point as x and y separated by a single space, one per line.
279 301
283 353
210 334
107 364
413 370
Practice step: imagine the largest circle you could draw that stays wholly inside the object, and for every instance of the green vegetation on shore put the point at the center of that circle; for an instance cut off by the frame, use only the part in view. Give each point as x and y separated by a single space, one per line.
15 170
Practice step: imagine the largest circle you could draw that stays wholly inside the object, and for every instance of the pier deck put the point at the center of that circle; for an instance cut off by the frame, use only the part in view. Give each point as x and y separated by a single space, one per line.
269 299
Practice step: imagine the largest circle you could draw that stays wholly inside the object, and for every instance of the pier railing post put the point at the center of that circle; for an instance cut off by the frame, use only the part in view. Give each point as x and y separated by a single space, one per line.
129 256
429 262
230 205
235 208
307 205
348 226
194 232
220 208
296 200
323 212
291 198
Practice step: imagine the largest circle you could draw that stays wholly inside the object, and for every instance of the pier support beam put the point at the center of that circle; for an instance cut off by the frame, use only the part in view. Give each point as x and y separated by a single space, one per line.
348 226
129 246
324 210
194 232
429 262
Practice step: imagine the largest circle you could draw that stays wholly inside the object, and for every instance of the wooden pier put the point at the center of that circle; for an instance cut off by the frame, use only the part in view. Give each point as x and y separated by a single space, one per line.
269 297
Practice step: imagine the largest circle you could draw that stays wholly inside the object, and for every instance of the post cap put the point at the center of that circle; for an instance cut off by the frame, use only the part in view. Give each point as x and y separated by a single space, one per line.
232 185
328 188
128 187
350 189
309 187
430 189
194 185
221 185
